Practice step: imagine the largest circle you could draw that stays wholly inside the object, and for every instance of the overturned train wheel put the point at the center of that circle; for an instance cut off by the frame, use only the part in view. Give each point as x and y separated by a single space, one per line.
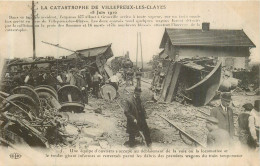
108 92
46 86
27 91
47 89
71 99
21 104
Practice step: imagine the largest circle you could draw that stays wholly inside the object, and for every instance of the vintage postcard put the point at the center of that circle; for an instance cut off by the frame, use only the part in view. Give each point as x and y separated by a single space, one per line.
129 83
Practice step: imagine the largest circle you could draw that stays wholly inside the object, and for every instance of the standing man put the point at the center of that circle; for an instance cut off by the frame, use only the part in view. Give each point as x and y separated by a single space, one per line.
81 84
86 75
216 137
136 115
96 79
224 114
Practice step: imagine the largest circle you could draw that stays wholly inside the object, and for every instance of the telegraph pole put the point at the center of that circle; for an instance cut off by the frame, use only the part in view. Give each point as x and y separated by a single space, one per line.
136 49
33 30
141 51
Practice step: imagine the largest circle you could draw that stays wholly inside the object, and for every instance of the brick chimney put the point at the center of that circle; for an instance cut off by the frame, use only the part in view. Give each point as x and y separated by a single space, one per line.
205 26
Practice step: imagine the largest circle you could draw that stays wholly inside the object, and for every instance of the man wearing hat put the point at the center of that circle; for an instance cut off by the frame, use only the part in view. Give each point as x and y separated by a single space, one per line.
216 137
254 125
136 115
224 114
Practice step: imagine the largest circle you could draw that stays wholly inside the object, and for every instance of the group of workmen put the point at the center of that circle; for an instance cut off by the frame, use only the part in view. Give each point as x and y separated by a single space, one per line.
220 123
80 78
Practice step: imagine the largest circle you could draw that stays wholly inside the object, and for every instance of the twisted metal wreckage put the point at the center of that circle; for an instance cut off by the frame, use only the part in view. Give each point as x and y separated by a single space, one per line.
31 116
34 115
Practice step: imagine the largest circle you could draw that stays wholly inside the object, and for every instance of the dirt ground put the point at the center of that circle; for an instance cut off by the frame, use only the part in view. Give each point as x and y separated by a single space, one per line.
110 118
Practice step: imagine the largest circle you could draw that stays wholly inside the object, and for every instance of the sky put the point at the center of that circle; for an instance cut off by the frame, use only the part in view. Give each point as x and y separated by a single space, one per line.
221 15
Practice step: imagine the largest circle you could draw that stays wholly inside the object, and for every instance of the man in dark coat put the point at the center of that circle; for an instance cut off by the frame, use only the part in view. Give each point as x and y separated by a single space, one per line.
224 114
96 80
81 84
136 115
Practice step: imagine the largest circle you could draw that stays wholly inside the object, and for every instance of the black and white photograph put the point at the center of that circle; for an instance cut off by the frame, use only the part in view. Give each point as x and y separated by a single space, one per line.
129 83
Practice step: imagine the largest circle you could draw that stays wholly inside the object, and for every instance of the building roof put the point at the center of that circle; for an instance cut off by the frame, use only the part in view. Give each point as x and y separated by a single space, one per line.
92 52
212 37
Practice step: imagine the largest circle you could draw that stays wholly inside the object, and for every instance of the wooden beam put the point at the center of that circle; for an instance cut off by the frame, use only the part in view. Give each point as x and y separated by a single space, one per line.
173 83
167 81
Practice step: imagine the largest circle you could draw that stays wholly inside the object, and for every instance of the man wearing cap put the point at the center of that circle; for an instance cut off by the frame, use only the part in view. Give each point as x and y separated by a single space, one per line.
243 124
96 80
224 114
136 115
254 125
82 85
216 137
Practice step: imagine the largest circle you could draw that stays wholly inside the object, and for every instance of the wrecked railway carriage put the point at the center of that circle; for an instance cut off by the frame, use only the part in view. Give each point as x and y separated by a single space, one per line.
193 59
33 114
92 59
188 81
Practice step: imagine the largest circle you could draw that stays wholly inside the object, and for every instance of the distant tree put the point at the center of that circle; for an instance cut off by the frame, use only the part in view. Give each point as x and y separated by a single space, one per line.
116 64
154 62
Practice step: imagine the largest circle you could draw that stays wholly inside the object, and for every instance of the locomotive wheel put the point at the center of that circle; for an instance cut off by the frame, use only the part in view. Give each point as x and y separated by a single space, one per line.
73 91
27 91
15 111
108 92
48 90
26 100
46 86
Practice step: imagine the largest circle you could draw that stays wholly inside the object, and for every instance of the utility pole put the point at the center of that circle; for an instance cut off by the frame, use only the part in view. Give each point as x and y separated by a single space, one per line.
136 49
33 30
141 50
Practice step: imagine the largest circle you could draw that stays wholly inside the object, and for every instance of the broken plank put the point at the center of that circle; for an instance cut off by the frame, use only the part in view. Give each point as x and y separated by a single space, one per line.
173 83
167 81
